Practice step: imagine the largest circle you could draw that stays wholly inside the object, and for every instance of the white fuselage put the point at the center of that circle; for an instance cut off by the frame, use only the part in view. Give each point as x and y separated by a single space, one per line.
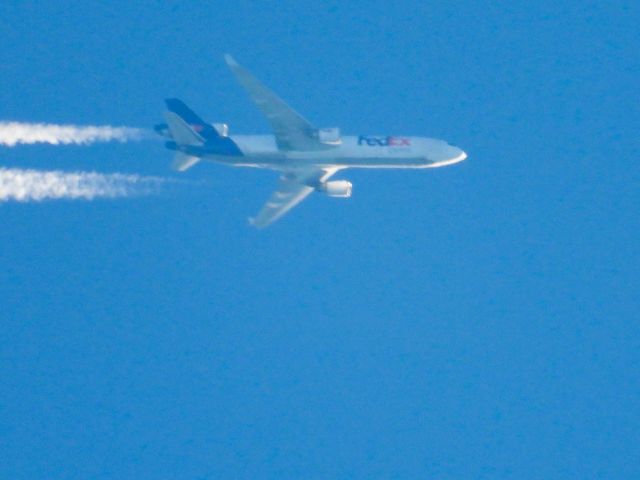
363 151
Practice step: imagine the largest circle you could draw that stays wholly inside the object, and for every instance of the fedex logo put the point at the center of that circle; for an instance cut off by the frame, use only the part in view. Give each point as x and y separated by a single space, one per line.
384 141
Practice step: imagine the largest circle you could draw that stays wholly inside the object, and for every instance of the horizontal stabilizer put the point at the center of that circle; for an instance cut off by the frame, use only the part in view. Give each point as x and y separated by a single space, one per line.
182 133
183 162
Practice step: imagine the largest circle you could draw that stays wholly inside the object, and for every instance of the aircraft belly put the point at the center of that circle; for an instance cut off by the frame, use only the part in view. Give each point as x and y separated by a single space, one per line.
281 162
277 162
382 162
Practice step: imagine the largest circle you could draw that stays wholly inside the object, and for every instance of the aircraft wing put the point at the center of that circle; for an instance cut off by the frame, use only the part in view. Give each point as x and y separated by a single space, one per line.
291 130
293 188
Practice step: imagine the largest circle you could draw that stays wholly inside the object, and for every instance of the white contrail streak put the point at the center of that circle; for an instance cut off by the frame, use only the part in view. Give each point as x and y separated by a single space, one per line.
14 133
34 185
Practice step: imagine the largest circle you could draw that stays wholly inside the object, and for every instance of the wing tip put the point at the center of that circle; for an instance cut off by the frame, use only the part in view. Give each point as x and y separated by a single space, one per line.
257 224
230 60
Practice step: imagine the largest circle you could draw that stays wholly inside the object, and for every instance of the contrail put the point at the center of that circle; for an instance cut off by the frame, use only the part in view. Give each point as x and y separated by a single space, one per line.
14 133
34 185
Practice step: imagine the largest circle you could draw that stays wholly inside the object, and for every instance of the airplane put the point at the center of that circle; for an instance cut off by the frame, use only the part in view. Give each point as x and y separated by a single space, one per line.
305 156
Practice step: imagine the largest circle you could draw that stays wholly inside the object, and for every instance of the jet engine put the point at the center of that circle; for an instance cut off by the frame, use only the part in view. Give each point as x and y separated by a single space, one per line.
221 128
330 136
337 188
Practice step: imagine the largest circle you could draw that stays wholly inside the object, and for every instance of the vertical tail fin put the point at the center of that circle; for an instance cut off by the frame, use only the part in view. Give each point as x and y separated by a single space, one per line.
183 135
206 131
191 137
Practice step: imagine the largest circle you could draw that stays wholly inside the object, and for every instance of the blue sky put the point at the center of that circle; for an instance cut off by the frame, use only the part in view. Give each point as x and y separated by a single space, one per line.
477 321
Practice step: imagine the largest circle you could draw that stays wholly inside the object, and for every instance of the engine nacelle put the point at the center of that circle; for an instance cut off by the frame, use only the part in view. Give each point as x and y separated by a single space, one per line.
337 188
221 128
330 136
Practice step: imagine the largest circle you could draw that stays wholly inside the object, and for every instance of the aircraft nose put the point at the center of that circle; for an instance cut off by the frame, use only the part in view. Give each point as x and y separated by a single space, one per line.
449 155
460 155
